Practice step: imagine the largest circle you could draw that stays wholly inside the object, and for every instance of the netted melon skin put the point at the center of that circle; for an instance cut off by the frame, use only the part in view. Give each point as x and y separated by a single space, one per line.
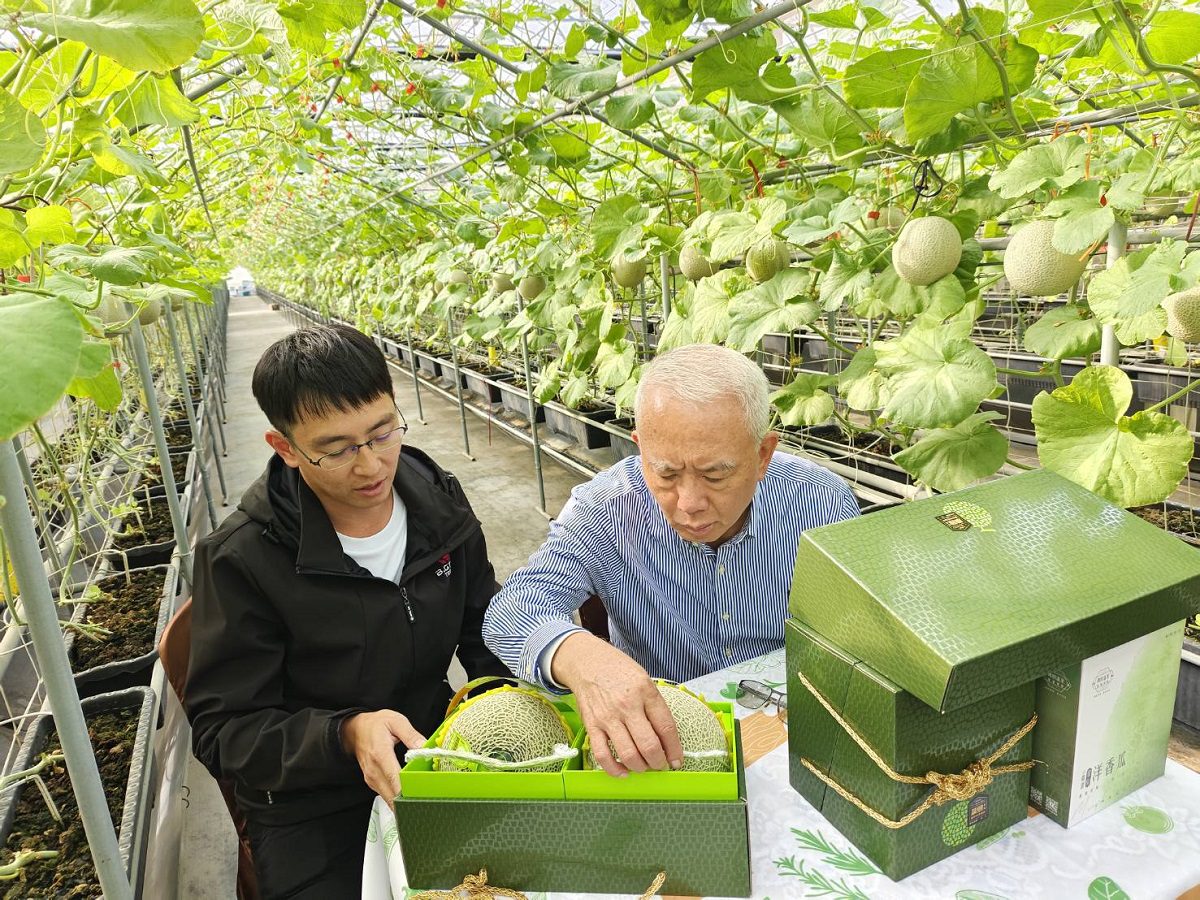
506 724
698 726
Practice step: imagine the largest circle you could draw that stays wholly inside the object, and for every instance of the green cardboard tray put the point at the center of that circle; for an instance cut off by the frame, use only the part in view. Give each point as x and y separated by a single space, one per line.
419 779
596 846
596 784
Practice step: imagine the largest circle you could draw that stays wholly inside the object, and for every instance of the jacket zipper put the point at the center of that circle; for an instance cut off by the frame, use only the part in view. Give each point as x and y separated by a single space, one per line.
407 606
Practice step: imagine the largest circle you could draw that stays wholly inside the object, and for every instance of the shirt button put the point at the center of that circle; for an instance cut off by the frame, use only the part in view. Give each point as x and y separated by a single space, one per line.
728 652
725 616
720 570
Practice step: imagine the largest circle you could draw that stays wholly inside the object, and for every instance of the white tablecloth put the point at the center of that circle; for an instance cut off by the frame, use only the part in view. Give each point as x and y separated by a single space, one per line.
1146 846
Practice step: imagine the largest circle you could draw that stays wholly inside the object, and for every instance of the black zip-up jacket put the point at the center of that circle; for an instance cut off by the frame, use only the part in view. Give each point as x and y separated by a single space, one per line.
290 636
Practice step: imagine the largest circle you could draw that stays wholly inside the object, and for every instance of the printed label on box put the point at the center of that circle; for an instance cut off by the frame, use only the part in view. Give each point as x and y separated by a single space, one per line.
1103 726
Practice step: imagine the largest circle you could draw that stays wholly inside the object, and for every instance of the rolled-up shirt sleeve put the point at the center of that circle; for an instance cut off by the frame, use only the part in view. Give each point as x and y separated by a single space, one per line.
533 613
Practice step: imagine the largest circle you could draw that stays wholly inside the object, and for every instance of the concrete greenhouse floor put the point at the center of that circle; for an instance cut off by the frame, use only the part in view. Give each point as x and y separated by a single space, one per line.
499 483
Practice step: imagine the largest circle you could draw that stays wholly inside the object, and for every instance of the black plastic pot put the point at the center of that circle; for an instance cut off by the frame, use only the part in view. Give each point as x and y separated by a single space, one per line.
135 671
516 401
622 446
481 382
428 365
1187 696
133 828
576 425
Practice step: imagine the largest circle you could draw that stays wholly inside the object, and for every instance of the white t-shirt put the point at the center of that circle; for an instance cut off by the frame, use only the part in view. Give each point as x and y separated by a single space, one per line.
382 554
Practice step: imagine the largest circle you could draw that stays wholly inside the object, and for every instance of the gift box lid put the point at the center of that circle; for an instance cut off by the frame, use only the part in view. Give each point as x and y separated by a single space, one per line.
960 596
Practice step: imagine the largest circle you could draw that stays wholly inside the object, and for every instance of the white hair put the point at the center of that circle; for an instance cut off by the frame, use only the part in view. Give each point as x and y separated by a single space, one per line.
698 374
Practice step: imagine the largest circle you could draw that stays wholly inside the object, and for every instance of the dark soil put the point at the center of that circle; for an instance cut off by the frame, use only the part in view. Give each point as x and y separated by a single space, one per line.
71 875
154 527
178 468
129 612
179 437
1179 521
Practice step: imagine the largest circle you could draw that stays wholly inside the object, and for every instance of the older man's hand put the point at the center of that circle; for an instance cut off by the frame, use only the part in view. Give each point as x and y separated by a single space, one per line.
619 705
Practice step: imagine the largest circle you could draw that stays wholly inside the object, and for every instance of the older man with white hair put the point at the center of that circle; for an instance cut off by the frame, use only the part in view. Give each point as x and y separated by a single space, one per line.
690 546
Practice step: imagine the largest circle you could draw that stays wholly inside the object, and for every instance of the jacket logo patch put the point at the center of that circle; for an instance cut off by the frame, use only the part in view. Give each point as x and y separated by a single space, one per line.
443 569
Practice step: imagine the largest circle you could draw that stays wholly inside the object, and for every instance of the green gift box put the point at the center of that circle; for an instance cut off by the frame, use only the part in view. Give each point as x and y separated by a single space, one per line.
959 596
834 698
600 846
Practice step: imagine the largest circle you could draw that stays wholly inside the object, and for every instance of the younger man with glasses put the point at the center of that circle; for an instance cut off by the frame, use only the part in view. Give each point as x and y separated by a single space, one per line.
326 611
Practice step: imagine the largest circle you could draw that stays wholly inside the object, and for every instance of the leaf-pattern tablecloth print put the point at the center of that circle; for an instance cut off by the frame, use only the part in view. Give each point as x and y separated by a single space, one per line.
1146 847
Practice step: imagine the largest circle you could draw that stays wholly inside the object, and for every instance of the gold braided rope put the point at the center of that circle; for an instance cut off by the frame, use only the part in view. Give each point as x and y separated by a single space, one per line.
475 887
961 786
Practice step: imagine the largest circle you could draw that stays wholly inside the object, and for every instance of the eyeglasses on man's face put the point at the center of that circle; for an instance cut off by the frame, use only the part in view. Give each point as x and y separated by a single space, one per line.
755 695
387 442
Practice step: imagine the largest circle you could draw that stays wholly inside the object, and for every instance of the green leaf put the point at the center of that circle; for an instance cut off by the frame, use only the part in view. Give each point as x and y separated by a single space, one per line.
617 224
1047 11
571 80
12 244
49 225
731 233
948 459
711 303
49 336
725 11
530 81
846 281
839 17
935 378
1077 231
1058 165
156 101
143 35
95 376
117 265
576 38
881 79
822 122
731 63
1064 332
804 401
629 111
1171 40
778 304
1104 888
666 12
1083 435
22 136
861 383
121 161
308 21
1129 295
614 364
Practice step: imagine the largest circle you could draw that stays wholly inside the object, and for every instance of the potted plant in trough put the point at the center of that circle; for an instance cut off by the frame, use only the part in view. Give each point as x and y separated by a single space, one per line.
622 444
48 838
148 536
121 624
481 380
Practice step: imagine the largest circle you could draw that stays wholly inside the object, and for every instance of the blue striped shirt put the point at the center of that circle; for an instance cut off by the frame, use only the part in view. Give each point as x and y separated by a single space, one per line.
681 609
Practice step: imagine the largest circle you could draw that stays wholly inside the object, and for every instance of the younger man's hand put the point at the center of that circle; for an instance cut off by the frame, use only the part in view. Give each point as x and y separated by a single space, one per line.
371 739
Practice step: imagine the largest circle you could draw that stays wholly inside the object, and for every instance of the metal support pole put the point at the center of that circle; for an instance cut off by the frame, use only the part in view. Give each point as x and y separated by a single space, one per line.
664 269
43 525
531 409
214 420
412 361
462 408
42 617
169 315
1110 349
164 454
